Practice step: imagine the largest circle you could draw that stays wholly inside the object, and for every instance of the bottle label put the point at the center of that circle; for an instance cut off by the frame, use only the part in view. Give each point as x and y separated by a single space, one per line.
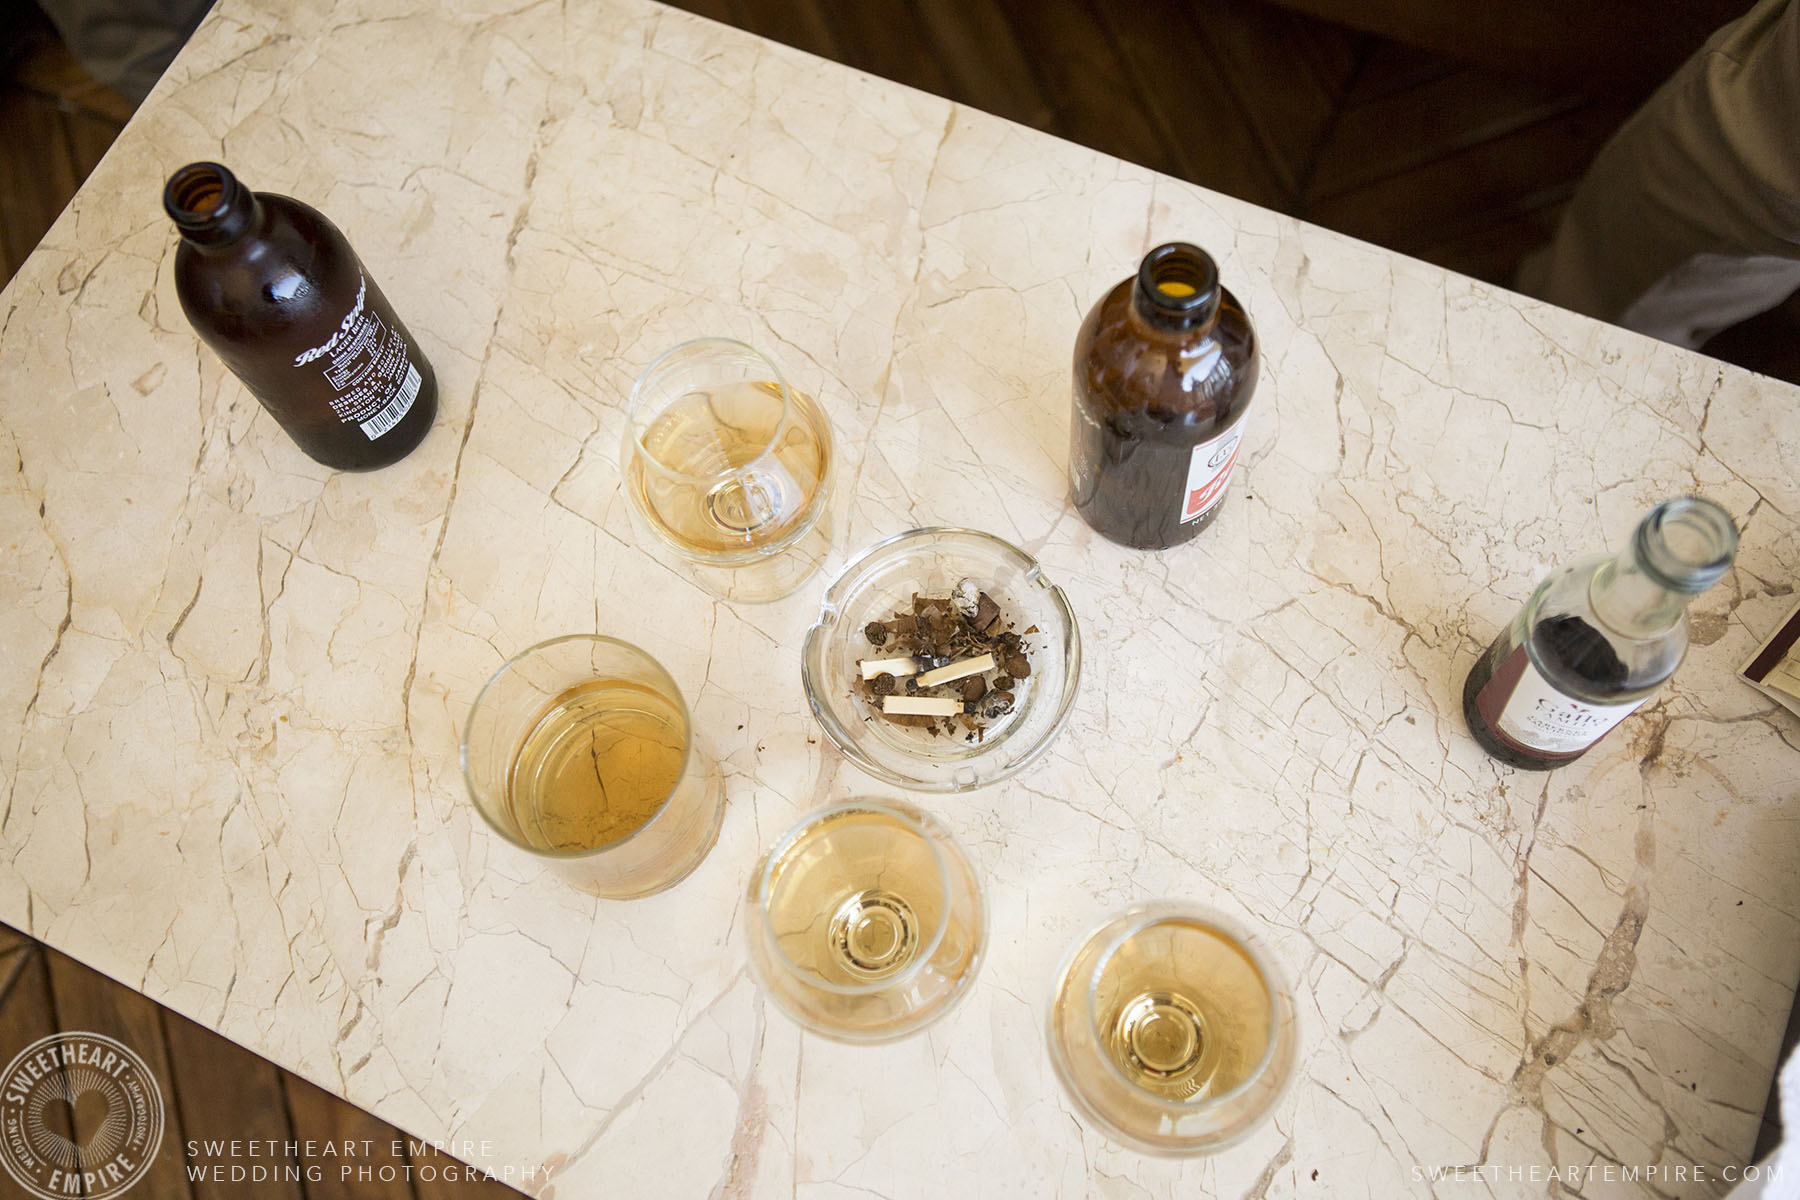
1537 716
396 408
1209 470
365 362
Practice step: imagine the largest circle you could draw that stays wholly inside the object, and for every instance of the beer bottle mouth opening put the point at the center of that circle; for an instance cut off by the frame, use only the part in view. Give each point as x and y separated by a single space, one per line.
206 202
1686 545
1178 285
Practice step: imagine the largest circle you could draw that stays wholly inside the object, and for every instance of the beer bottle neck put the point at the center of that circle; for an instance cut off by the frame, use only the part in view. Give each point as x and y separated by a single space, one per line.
1177 289
208 204
1679 550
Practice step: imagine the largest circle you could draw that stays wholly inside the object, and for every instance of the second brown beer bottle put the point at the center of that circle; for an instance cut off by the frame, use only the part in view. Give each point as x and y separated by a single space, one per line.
1165 366
277 292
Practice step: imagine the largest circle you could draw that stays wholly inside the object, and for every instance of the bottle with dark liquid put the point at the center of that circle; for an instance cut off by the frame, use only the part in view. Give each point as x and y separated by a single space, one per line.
279 295
1596 639
1165 366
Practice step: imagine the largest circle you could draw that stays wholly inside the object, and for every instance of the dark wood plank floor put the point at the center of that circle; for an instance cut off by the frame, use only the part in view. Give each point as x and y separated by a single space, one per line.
1462 159
215 1090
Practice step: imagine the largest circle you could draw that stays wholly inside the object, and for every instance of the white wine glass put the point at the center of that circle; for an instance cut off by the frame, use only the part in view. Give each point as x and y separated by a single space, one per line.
1172 1029
728 469
865 921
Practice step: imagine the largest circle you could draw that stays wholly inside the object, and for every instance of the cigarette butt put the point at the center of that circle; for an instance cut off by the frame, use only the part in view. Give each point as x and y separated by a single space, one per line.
871 667
957 670
921 706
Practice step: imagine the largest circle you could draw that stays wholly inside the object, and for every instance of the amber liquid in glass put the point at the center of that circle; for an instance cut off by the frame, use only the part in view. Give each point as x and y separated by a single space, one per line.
1182 1010
854 900
777 468
598 763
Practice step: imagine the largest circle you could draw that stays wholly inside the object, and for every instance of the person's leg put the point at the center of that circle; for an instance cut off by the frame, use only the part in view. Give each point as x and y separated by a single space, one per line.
1689 219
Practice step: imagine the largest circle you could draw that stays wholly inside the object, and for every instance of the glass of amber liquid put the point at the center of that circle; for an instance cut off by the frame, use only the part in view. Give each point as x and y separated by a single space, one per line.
1172 1029
728 469
865 922
580 749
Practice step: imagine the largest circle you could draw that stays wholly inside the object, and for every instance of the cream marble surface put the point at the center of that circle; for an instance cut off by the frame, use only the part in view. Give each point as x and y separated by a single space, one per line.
232 681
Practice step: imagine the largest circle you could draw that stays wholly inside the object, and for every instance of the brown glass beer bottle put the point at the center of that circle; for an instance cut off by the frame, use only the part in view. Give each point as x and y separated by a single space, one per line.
276 291
1165 366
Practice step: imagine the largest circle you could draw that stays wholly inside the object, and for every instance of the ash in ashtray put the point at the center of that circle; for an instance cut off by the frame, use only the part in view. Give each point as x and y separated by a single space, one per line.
951 665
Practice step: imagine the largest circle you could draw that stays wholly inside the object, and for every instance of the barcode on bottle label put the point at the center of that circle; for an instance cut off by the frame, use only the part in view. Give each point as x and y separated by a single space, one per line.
396 408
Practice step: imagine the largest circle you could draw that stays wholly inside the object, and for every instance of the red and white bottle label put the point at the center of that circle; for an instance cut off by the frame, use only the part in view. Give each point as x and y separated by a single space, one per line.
1209 470
1537 716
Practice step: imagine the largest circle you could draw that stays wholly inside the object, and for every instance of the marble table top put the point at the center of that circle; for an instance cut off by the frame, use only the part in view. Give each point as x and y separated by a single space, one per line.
233 680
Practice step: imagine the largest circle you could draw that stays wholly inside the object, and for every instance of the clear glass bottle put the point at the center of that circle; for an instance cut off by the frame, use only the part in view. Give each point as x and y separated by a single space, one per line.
274 288
1597 637
1165 366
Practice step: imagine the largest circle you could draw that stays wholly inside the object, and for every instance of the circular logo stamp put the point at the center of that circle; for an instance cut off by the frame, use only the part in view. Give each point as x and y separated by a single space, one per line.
80 1115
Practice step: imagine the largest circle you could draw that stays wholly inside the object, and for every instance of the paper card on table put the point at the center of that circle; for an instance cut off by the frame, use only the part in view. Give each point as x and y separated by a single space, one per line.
1775 667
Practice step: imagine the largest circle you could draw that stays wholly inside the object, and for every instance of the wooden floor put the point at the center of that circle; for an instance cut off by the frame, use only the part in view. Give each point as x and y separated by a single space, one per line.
55 123
1463 165
215 1089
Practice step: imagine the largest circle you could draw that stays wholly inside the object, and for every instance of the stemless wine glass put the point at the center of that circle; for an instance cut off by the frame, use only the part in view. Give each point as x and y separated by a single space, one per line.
580 749
1172 1029
728 469
865 922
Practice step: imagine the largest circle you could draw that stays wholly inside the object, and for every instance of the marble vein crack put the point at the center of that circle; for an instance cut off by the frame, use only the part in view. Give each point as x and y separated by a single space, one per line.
979 1091
373 962
225 1000
752 1121
631 1097
1260 1188
437 548
355 1018
421 982
267 42
182 619
1588 921
882 385
1379 989
358 1065
68 618
1522 881
1593 1018
1358 1111
1638 1086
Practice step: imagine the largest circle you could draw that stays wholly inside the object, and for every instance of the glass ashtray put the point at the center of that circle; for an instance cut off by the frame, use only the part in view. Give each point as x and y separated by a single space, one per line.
882 583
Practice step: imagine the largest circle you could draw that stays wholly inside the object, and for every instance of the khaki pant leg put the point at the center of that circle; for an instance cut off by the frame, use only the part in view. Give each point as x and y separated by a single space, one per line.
1689 219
